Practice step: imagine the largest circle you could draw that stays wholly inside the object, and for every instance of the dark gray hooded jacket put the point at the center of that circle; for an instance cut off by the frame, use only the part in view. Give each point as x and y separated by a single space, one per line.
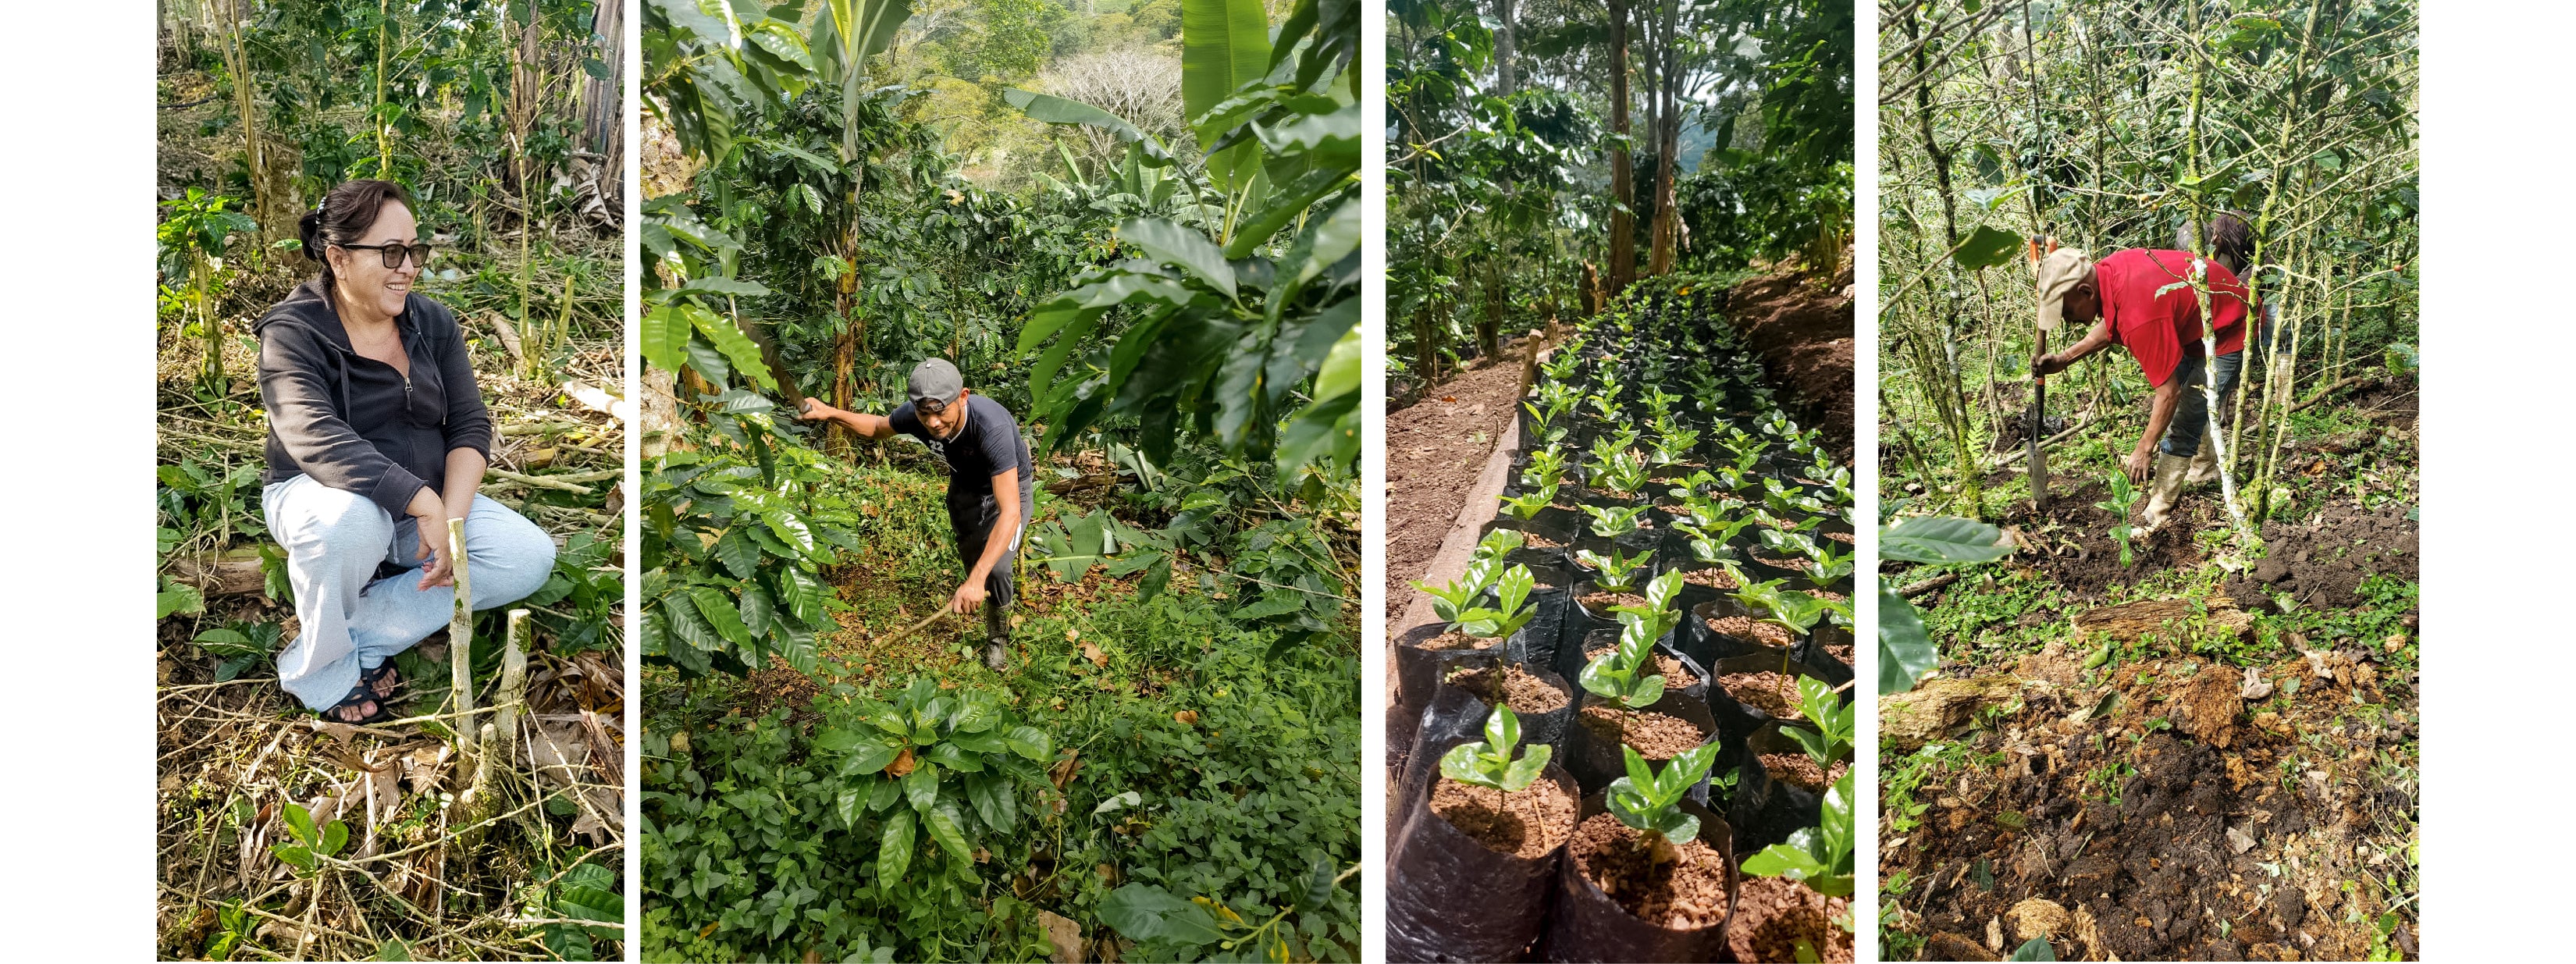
355 423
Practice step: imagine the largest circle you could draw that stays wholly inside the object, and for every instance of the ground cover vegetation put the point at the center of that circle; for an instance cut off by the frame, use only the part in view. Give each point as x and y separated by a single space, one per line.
1544 155
2200 740
1167 768
281 836
1661 619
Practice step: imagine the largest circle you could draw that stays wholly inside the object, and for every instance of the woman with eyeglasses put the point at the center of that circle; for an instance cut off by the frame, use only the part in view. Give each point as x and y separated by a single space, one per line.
377 436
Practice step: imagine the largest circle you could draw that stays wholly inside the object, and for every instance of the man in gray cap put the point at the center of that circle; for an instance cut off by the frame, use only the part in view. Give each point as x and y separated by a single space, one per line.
2135 299
991 485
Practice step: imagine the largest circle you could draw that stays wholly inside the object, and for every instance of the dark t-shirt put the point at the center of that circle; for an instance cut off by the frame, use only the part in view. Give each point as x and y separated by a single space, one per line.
988 445
2155 326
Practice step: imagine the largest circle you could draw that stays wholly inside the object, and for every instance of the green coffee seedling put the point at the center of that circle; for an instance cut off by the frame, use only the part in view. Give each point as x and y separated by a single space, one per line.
1526 506
1651 801
1490 763
1614 522
1831 740
2122 497
1614 572
1511 611
1820 855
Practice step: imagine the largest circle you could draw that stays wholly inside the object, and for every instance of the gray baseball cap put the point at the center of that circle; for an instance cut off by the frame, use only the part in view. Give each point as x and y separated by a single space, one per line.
935 380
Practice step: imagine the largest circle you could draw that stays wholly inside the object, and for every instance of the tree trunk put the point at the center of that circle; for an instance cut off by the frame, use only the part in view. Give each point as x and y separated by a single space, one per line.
1623 221
1488 331
1503 47
267 206
1665 232
603 105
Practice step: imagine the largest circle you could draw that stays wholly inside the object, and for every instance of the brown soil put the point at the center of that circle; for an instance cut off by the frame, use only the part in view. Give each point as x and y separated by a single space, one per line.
1536 541
2149 836
2074 543
1432 459
1527 824
1773 693
1803 332
1682 889
1761 632
1797 770
1599 603
1840 651
2321 561
1712 578
1527 695
1773 914
1790 563
1453 640
1656 736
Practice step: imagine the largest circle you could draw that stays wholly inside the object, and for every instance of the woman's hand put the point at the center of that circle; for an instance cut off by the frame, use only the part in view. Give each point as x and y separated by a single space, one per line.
436 569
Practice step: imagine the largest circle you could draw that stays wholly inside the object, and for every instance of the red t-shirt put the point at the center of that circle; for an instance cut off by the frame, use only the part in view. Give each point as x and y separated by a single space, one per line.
2154 328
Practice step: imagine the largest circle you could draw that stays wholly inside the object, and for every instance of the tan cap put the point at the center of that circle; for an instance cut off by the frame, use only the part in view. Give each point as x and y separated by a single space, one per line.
2059 272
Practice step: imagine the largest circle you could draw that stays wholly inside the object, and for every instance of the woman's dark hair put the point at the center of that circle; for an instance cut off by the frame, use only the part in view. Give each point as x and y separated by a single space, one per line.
345 215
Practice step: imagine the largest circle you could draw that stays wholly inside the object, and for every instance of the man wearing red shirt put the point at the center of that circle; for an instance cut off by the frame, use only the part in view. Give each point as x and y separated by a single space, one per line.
2139 299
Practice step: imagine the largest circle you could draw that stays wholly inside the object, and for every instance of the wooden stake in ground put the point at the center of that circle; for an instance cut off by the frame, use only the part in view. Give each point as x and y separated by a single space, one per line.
460 636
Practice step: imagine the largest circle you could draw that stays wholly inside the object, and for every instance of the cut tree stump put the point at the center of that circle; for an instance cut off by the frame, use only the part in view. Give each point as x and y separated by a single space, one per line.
234 573
1928 712
2127 622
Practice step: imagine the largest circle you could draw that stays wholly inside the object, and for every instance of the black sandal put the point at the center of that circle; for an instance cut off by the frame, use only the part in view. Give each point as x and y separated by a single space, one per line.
371 677
359 695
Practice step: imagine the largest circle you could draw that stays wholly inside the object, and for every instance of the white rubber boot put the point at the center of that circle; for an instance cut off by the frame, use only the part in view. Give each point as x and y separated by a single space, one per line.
2163 489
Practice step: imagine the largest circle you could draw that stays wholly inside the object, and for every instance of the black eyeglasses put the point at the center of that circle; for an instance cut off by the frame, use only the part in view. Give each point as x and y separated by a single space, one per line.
396 252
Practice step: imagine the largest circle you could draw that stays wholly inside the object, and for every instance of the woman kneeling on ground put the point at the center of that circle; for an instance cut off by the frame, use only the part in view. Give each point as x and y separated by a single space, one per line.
376 437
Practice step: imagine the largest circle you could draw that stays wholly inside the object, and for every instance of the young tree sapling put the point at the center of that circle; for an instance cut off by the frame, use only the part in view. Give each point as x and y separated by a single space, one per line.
1490 763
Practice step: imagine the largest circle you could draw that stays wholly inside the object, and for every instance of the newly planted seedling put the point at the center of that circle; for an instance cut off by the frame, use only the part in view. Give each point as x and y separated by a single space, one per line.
1499 543
1623 474
1830 564
1821 855
1831 740
1614 522
1510 612
1615 572
310 845
1797 610
1449 602
2122 497
1546 466
1788 542
1526 506
1651 802
1490 763
1673 443
1621 674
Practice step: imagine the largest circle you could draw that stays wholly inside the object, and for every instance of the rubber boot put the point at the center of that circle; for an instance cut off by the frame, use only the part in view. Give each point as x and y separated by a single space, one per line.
2204 466
2163 489
997 638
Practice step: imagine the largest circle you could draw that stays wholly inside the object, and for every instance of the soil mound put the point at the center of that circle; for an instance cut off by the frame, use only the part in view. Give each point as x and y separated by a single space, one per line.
1804 335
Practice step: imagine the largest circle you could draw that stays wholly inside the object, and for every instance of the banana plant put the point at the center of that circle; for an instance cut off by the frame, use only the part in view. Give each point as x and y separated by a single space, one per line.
1231 329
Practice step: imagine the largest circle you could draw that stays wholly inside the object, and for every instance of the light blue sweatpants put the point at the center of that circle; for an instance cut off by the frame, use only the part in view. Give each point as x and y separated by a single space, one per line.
353 621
